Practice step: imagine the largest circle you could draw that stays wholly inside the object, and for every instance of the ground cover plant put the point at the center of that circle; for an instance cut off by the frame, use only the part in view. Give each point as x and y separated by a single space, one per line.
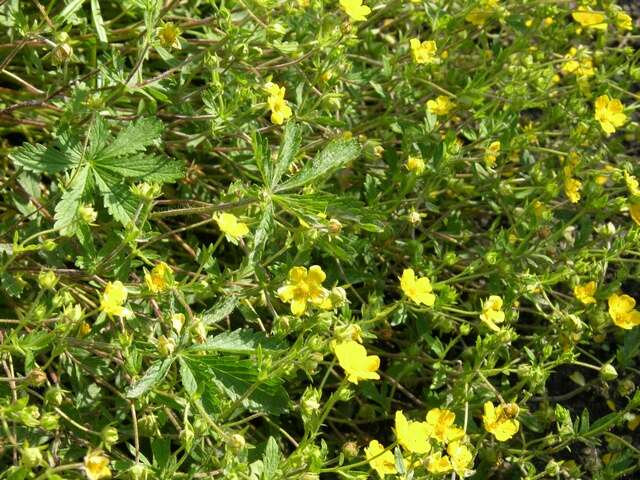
309 239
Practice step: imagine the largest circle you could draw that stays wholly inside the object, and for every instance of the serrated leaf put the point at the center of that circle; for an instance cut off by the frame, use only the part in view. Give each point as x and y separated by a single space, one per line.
98 21
40 159
10 285
117 197
263 233
221 310
66 211
271 459
152 377
135 138
334 156
288 150
188 379
237 341
262 157
152 168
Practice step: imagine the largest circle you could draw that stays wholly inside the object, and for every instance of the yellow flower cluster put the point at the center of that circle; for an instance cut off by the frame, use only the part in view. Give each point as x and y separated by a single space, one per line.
280 110
572 186
585 292
424 52
437 438
491 154
578 62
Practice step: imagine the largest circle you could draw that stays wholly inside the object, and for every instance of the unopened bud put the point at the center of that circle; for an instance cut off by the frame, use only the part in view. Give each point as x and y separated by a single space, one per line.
30 456
37 377
350 450
608 372
47 279
87 213
109 436
166 346
237 442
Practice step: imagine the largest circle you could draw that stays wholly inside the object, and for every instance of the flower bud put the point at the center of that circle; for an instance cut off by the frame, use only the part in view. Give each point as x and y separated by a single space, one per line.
166 346
50 421
237 442
138 472
350 450
36 377
30 457
47 279
109 436
87 214
49 245
608 372
54 396
177 322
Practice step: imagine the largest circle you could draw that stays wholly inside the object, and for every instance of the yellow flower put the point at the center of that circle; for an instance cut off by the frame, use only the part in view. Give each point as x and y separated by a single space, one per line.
383 463
590 19
413 436
624 21
231 227
441 427
169 35
355 9
96 465
113 299
500 422
634 211
304 287
572 189
479 15
621 309
492 312
424 52
280 110
461 457
491 154
585 292
610 113
415 164
578 63
632 184
438 463
356 363
159 279
417 289
442 105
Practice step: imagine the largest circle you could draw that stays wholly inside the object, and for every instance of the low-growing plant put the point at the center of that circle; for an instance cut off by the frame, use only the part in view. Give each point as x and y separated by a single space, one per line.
272 239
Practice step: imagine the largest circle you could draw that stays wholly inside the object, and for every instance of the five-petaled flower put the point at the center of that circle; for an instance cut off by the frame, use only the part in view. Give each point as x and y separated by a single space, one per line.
424 52
280 110
381 461
622 311
590 19
492 312
113 299
585 292
231 227
355 9
442 105
610 113
305 287
354 360
419 289
441 427
96 465
501 421
159 278
413 436
415 164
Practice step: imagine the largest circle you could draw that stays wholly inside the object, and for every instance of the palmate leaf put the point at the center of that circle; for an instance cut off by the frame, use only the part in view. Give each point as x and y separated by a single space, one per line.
238 341
334 156
145 167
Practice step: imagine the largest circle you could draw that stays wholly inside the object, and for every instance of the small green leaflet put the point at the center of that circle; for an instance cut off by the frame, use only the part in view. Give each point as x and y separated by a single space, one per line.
152 377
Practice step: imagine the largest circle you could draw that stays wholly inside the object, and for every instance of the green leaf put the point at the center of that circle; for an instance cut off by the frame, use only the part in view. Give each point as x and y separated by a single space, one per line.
263 233
238 378
135 138
66 211
120 202
188 379
221 310
630 348
98 22
334 156
150 168
238 341
152 377
288 150
262 156
40 159
271 459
